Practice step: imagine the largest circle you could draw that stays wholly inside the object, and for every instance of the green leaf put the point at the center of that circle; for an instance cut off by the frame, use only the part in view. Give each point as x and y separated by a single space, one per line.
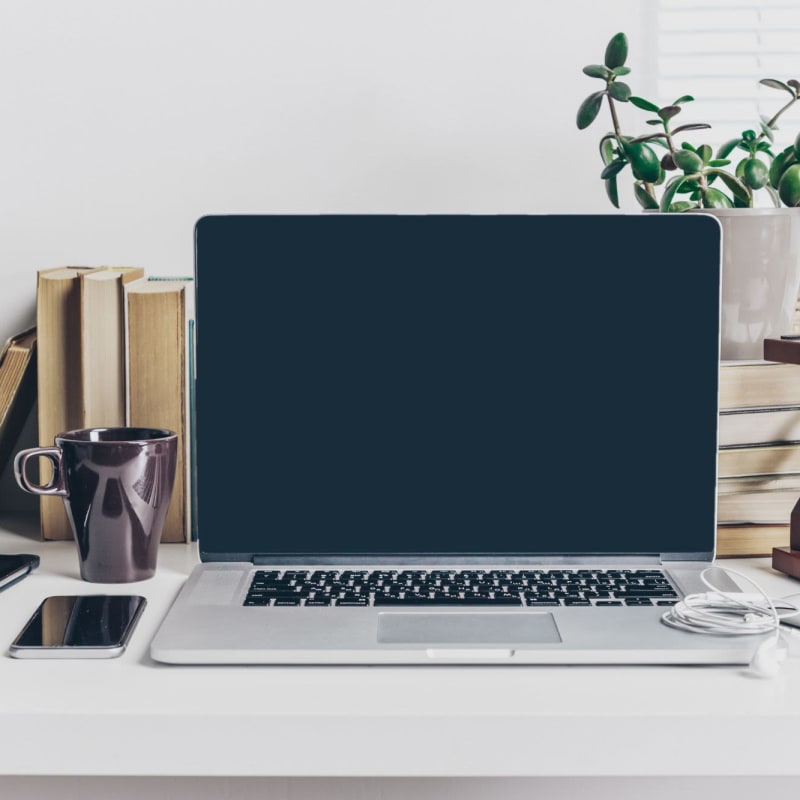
607 148
589 109
795 85
767 132
619 91
719 162
686 98
690 187
738 189
669 191
764 147
780 164
689 146
682 205
597 71
645 199
692 126
612 191
613 168
668 112
618 72
755 173
654 122
726 149
644 162
774 196
748 136
705 152
789 186
797 145
645 105
616 51
776 84
714 198
689 162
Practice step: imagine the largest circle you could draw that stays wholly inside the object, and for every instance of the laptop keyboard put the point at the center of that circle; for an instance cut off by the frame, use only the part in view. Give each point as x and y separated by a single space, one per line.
404 588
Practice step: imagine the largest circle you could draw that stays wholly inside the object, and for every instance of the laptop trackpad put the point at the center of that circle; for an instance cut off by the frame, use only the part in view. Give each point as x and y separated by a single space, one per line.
460 628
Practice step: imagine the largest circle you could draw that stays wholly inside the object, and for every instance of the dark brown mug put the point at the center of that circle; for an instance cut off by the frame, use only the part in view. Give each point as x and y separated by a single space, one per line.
117 486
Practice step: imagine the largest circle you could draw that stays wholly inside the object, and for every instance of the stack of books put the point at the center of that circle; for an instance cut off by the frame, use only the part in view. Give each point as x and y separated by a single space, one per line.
116 348
759 456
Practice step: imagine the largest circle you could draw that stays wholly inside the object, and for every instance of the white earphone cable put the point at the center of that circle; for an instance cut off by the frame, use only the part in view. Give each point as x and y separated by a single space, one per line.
722 613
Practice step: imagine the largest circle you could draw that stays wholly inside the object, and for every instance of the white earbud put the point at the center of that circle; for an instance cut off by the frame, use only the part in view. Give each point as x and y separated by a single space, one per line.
767 660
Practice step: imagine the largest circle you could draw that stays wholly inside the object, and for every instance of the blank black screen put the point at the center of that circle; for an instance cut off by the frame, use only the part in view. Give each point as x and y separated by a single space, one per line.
540 384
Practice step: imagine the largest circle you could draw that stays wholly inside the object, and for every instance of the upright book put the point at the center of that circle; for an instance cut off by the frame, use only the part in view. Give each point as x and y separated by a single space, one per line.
17 389
160 359
103 382
58 323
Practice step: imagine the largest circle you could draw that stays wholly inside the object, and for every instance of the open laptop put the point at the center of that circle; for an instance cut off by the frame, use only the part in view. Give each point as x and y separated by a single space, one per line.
442 439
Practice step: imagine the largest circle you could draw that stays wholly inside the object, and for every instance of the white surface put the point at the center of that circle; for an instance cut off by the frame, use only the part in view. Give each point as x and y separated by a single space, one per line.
130 716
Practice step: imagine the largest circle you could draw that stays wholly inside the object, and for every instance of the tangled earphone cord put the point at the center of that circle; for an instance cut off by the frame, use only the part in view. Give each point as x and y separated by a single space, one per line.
723 613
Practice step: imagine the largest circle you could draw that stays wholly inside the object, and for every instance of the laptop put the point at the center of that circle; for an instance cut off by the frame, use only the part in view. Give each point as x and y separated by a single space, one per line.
439 439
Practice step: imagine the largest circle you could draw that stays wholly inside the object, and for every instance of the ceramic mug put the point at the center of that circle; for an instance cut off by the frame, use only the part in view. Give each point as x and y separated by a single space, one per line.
117 485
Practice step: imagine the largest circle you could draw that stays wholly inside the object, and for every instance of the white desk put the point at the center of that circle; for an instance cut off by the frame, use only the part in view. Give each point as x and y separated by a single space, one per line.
131 716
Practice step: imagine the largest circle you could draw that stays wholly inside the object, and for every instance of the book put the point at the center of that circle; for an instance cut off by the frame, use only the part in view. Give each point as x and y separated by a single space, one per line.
750 541
17 389
761 425
103 382
758 459
747 384
58 324
762 500
160 363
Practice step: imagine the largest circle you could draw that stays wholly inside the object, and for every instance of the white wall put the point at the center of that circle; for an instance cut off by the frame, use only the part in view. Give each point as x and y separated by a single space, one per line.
123 122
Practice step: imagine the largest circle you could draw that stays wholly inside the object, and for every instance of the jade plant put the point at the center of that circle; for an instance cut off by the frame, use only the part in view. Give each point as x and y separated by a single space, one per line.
671 174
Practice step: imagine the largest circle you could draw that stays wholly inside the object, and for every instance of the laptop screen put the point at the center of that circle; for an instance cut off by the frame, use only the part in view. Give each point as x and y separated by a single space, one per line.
456 385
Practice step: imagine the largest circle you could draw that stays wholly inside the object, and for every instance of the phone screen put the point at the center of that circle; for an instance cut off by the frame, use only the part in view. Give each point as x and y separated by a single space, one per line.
104 622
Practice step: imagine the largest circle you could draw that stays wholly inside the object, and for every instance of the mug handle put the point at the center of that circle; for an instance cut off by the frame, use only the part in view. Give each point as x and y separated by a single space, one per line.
55 486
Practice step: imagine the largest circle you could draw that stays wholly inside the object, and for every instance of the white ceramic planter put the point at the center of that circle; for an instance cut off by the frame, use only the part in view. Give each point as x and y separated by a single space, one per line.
760 276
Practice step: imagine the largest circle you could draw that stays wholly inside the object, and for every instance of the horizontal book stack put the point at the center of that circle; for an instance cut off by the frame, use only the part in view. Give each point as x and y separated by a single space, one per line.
116 348
759 456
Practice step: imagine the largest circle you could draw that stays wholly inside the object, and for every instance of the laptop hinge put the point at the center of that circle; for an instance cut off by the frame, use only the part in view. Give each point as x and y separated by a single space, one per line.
403 559
687 557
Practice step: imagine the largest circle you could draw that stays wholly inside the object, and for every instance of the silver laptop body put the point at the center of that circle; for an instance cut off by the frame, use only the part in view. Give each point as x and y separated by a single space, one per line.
401 419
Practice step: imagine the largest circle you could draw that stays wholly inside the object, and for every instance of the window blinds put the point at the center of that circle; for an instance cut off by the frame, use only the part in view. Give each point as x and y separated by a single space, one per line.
717 51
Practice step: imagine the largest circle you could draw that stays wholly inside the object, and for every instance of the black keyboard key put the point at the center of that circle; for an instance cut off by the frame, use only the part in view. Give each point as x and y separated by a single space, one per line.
542 602
638 601
608 603
666 602
576 601
287 601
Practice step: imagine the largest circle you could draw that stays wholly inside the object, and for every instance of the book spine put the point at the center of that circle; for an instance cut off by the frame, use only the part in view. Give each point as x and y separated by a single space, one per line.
58 381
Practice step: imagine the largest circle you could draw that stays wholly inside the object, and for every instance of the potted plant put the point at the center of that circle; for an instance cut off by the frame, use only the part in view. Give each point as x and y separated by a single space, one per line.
749 183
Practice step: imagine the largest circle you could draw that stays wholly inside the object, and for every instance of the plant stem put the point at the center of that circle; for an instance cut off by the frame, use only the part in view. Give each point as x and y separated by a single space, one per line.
614 118
780 111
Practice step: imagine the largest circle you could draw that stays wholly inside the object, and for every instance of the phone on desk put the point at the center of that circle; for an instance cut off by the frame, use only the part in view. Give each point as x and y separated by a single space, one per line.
14 568
79 626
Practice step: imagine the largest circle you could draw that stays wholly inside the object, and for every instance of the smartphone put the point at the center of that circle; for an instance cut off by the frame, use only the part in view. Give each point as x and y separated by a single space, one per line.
14 568
79 626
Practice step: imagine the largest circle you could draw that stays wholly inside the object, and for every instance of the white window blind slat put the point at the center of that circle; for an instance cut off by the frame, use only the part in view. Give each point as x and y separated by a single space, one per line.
717 51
